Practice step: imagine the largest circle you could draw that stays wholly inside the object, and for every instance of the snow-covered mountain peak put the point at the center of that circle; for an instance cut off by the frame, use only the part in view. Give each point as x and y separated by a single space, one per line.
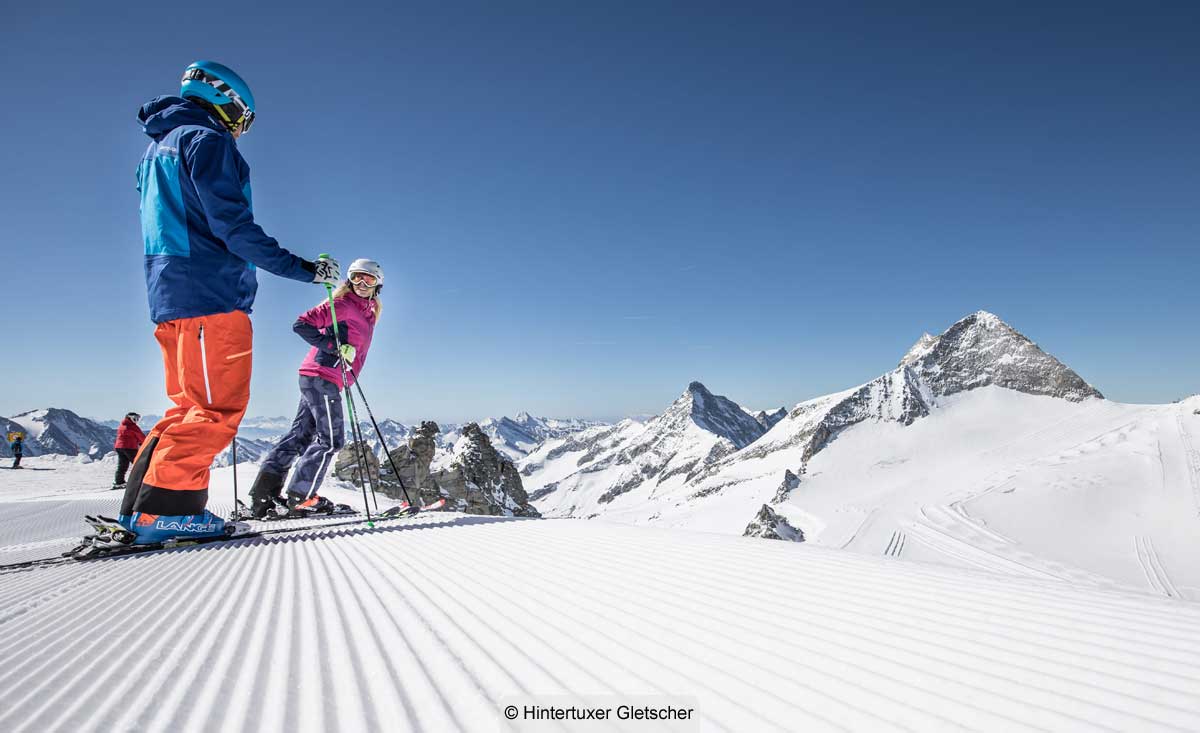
517 437
981 350
977 351
918 351
712 413
988 319
596 466
55 430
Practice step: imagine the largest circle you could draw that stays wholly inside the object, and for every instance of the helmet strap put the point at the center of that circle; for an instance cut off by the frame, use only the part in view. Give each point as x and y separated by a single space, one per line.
217 113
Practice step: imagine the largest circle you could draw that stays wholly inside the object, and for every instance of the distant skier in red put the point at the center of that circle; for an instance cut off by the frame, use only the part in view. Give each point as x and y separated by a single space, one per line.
129 438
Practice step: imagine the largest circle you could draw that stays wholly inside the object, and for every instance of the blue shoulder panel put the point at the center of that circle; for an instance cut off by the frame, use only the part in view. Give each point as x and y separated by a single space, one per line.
164 221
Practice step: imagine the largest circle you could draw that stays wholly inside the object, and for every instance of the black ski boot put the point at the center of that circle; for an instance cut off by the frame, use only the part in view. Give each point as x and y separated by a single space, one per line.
265 495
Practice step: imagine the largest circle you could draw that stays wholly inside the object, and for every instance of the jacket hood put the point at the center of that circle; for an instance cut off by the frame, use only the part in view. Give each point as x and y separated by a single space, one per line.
163 114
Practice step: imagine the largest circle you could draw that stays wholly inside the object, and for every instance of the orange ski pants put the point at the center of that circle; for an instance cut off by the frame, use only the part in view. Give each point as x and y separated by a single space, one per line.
207 360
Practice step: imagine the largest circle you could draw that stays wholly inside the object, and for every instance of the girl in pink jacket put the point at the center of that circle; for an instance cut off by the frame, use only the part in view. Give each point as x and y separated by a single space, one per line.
316 433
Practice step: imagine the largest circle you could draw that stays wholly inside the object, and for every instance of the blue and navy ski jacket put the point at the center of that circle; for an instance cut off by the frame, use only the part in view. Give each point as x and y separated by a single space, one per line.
202 245
17 447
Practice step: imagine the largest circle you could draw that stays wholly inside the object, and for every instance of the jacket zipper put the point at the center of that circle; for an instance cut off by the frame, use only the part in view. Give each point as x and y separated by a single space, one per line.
204 364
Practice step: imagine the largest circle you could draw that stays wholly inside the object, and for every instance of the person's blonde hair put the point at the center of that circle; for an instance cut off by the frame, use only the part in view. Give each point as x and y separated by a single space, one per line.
345 288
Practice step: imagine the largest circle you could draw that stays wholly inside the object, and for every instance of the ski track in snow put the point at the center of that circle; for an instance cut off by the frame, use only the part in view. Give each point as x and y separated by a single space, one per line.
1193 457
952 532
427 624
1156 576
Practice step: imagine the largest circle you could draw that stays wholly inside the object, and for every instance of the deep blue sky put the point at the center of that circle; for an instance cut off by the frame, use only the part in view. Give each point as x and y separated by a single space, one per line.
581 210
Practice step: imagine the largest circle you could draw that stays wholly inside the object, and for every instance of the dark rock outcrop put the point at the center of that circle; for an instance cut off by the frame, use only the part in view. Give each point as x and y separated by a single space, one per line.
346 465
412 462
790 482
770 526
481 480
770 419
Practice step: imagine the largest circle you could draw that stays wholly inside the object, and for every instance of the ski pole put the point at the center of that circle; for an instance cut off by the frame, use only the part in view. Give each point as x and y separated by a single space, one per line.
360 443
378 432
236 510
337 340
360 454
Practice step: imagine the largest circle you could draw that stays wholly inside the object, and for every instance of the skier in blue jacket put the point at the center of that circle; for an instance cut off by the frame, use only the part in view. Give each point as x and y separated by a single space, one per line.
202 250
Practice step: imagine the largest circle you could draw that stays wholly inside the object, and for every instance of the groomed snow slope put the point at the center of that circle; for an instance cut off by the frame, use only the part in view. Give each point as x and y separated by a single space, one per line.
436 623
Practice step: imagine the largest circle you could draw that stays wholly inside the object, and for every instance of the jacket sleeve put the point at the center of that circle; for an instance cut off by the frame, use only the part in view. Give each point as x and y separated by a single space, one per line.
213 167
314 326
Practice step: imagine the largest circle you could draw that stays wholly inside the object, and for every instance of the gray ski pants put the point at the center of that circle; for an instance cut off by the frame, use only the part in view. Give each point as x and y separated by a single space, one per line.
315 438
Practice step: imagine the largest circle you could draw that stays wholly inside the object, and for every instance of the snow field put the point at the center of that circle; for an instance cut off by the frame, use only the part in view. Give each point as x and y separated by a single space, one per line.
431 623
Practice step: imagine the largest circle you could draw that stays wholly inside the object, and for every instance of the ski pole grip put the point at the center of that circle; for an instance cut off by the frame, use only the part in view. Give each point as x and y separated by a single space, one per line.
332 310
328 287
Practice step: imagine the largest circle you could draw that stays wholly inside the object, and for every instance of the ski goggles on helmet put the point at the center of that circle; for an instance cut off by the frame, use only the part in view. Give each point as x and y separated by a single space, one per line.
364 278
236 115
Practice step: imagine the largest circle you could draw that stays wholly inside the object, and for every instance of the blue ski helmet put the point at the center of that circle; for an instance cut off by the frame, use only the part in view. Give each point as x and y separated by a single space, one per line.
223 89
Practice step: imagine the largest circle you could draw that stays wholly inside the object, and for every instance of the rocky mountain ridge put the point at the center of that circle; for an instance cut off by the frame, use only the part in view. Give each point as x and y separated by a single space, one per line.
478 479
638 460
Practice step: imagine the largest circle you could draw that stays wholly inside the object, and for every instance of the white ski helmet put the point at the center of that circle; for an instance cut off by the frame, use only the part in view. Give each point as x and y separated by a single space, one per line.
370 267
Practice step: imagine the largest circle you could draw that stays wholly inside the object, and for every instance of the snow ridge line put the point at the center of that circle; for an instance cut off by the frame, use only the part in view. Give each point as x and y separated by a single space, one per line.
883 600
516 608
36 526
713 648
843 638
164 700
1019 598
264 532
1156 575
57 671
567 672
472 644
406 653
879 647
